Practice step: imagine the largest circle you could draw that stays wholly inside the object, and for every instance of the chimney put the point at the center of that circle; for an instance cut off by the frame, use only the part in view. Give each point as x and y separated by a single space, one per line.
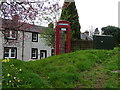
87 33
15 18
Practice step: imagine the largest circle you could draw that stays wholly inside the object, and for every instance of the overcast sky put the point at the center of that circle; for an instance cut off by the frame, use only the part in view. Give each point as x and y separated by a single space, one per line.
98 13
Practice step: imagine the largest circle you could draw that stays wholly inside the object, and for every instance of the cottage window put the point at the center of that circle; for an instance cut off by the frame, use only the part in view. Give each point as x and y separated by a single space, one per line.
52 52
10 34
35 37
34 53
10 52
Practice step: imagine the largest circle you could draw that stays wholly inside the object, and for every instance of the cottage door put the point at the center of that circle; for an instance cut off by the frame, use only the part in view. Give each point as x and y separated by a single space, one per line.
43 54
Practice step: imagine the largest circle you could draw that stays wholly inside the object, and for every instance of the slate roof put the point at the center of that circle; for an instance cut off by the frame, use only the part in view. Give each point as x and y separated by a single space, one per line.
24 26
84 36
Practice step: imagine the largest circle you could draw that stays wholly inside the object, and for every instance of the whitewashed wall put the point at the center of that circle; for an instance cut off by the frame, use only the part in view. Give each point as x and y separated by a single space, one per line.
28 45
1 46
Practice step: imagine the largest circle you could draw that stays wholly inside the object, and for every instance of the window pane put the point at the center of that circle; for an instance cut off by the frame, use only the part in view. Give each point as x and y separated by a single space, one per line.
12 55
34 53
33 50
41 54
6 52
52 52
7 33
12 52
6 55
13 34
10 34
34 36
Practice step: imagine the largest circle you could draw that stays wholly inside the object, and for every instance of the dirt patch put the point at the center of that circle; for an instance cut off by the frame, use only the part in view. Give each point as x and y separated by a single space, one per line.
116 71
100 76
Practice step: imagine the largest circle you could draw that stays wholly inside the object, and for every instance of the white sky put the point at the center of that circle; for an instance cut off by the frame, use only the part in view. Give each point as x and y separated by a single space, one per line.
98 13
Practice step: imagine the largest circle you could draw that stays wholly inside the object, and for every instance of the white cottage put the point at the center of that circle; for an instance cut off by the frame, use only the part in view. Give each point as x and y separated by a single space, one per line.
85 36
24 44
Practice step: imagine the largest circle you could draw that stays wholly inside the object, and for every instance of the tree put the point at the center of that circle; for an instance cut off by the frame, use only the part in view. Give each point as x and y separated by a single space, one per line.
49 35
69 13
114 31
52 17
91 30
32 12
96 32
28 13
52 14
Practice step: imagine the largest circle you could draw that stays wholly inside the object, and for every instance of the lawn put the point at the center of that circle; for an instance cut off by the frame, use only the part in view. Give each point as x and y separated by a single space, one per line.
80 69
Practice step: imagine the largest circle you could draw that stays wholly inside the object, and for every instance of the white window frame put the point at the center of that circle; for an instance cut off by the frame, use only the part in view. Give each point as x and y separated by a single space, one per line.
35 52
10 52
10 35
35 37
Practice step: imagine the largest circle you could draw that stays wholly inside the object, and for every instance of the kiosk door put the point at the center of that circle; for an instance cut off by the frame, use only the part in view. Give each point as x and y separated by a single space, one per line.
62 37
63 40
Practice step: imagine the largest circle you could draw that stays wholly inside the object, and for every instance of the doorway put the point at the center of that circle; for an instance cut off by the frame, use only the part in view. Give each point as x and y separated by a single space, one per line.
43 54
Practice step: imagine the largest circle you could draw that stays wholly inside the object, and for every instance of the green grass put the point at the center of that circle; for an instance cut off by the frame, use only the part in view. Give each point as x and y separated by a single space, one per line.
80 69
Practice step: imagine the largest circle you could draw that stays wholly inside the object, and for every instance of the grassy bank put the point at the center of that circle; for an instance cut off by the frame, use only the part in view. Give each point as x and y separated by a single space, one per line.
80 69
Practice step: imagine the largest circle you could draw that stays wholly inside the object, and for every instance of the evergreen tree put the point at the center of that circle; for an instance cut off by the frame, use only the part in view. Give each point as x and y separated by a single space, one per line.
114 31
69 13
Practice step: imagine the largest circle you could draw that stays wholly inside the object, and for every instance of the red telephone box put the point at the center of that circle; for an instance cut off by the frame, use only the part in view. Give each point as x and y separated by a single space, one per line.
62 41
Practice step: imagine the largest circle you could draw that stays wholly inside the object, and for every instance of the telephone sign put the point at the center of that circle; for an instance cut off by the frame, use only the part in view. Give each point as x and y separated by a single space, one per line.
63 29
63 24
62 39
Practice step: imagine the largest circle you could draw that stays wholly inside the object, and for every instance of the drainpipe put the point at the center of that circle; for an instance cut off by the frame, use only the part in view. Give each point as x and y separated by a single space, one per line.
23 46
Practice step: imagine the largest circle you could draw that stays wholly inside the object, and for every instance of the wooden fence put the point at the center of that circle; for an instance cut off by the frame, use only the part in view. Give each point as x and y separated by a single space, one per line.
81 45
